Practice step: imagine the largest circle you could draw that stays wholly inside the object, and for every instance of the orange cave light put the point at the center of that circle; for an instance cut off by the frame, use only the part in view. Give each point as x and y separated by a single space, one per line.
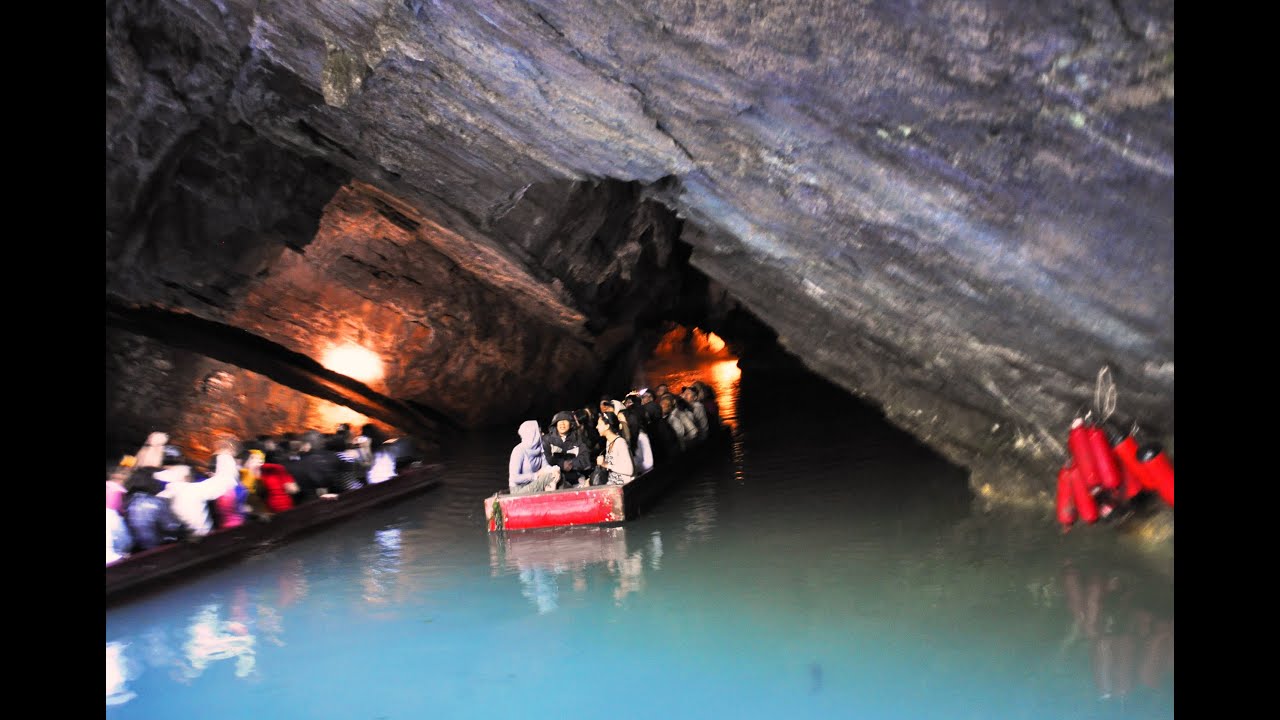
681 340
354 361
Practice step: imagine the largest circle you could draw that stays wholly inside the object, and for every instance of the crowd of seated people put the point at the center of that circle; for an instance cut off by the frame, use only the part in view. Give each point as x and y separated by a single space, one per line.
612 442
159 496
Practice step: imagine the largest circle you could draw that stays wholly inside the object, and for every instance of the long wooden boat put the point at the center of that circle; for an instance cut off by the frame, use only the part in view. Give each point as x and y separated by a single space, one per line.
169 561
596 505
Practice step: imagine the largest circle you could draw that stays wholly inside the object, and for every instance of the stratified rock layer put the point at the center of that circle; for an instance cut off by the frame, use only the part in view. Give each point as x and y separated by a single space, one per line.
958 210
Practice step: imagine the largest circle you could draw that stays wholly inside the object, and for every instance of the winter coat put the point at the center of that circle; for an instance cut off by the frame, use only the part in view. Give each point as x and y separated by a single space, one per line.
273 478
151 521
526 458
558 449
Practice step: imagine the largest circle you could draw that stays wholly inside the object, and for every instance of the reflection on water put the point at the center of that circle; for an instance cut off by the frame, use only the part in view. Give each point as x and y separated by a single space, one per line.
699 516
212 639
213 632
863 584
381 562
543 559
655 551
722 375
118 674
1125 639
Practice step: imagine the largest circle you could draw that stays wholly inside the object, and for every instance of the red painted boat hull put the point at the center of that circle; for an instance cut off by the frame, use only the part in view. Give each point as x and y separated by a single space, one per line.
558 508
598 505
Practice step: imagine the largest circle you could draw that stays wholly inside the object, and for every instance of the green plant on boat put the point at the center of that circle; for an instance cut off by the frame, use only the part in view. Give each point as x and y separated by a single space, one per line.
498 520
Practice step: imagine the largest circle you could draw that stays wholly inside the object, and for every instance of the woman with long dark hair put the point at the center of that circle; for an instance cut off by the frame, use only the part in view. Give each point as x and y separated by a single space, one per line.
642 450
617 451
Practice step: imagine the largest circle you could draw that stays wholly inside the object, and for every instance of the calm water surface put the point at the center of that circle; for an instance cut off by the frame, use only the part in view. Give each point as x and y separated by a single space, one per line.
822 565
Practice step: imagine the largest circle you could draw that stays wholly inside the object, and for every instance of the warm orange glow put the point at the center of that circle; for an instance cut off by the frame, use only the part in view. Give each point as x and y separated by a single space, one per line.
724 380
681 340
354 361
714 343
328 416
725 374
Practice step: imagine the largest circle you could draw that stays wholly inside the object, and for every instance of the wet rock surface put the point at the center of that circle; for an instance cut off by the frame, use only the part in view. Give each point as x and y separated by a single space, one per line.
957 210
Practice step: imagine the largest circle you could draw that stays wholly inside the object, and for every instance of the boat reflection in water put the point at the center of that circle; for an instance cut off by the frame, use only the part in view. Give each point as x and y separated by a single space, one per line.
119 672
541 559
213 638
1127 642
217 631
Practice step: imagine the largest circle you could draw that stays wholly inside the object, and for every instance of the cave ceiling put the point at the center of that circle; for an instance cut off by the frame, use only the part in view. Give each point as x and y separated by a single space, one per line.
959 211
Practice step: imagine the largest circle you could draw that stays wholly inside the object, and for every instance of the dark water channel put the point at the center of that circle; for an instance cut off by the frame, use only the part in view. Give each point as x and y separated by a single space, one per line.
823 566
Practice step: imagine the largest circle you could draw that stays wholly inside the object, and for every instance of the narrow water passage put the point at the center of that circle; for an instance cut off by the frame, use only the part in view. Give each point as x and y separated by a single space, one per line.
825 566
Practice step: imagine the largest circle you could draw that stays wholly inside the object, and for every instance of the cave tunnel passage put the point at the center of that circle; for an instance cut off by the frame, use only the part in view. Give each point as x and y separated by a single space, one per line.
751 374
684 355
340 379
791 427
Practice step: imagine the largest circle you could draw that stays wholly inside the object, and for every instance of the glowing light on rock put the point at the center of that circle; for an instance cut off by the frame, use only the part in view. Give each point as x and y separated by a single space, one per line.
714 343
328 416
696 341
354 361
725 373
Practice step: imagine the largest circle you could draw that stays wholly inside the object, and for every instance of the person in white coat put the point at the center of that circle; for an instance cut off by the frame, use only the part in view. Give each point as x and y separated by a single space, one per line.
190 500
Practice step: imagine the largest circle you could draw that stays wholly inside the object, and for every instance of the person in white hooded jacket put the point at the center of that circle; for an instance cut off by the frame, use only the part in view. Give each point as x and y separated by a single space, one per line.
527 471
190 500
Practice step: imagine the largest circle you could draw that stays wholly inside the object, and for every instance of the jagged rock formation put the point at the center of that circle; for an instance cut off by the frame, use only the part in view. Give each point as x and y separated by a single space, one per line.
959 210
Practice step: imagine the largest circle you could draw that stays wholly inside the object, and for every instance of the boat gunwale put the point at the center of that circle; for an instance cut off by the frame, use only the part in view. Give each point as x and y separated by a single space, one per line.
629 489
173 560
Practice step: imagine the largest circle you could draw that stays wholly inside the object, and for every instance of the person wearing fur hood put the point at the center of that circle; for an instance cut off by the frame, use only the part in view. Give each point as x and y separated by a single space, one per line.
527 470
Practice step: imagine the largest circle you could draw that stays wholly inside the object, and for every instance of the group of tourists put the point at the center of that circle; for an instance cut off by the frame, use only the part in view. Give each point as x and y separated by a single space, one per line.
159 496
612 442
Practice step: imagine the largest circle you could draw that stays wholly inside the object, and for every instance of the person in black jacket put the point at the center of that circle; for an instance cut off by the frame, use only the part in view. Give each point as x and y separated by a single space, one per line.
563 448
150 520
321 466
663 439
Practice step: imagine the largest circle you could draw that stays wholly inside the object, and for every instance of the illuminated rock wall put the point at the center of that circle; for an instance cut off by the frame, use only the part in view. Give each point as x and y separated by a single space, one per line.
197 400
957 210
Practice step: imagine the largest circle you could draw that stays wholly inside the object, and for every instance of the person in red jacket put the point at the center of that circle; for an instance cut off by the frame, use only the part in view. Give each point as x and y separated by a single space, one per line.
278 486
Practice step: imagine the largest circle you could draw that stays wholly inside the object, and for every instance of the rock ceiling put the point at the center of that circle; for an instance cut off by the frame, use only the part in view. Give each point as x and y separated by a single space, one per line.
957 210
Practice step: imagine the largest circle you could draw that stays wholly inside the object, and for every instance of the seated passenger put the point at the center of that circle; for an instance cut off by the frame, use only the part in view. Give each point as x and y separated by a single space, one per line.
690 396
681 424
117 474
708 398
586 423
151 454
322 466
293 463
351 470
662 438
382 463
118 541
230 506
254 505
562 448
190 500
404 453
527 470
643 451
606 406
618 407
150 520
278 487
617 453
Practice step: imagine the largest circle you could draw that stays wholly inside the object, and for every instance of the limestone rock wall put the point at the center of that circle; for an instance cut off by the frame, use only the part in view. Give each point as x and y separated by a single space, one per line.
959 210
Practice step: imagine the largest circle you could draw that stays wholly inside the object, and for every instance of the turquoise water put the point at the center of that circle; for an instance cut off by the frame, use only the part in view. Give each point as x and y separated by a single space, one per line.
823 566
